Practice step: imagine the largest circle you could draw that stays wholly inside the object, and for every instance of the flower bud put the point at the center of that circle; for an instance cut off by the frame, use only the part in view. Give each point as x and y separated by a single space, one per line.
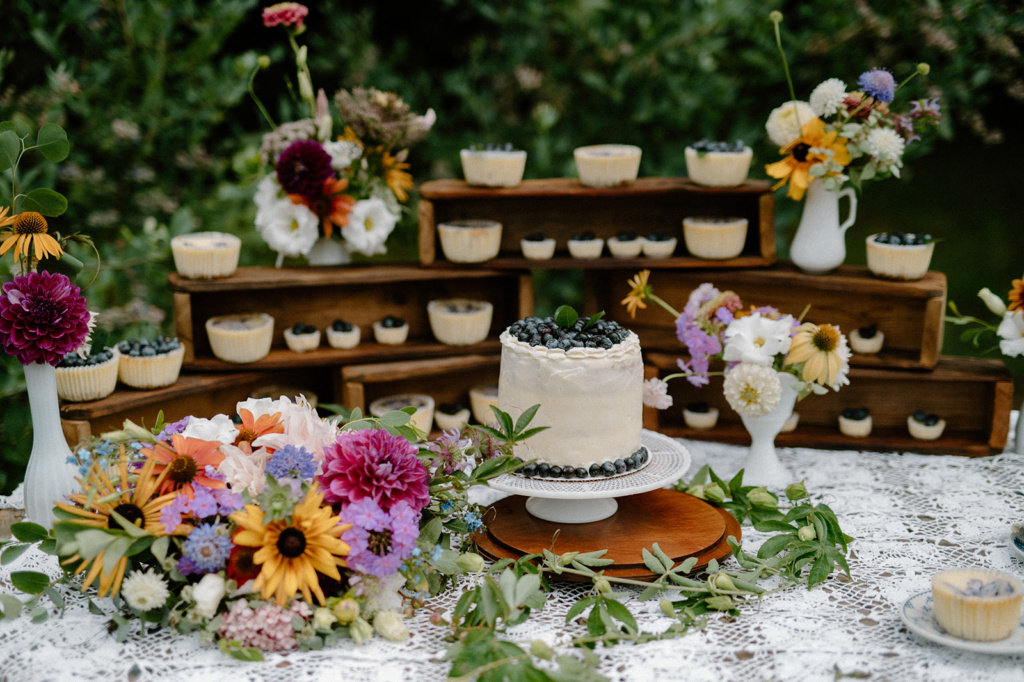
724 582
696 490
776 16
305 86
360 631
300 57
470 562
541 650
390 626
992 302
667 608
714 493
263 61
796 491
760 497
603 586
323 619
722 602
568 558
346 611
923 69
806 533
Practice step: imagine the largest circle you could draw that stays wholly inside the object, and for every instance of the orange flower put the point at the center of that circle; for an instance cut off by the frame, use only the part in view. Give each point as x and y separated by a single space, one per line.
252 428
332 207
800 157
186 463
398 180
1016 295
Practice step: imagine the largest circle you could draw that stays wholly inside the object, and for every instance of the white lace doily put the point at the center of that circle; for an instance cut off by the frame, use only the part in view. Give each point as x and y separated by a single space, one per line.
911 515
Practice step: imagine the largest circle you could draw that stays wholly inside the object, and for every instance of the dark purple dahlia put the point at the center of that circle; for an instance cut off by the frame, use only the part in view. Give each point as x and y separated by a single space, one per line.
303 167
43 316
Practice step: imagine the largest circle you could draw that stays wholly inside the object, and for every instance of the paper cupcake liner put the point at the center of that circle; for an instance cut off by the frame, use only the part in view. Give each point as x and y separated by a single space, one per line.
196 262
470 241
459 329
718 169
240 345
151 372
80 384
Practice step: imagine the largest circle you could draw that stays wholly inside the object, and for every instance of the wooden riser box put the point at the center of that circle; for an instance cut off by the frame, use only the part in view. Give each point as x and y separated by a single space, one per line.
910 314
359 295
973 395
562 207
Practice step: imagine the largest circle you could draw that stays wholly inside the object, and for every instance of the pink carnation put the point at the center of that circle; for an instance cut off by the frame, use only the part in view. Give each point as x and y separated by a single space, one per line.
374 464
42 317
285 14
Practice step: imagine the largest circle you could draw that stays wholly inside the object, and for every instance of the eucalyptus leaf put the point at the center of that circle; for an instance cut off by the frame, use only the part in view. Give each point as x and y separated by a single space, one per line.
13 552
45 201
10 149
30 582
39 614
28 532
11 606
56 597
52 142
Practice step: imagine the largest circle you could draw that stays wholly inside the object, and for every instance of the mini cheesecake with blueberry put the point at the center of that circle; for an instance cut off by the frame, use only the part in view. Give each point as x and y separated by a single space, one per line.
342 334
302 337
391 331
460 321
855 422
866 340
700 416
900 255
493 165
626 244
451 416
585 245
536 246
925 426
146 363
660 245
718 164
91 377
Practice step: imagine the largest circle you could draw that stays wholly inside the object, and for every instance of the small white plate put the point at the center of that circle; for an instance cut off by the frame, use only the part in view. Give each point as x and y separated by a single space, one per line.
918 613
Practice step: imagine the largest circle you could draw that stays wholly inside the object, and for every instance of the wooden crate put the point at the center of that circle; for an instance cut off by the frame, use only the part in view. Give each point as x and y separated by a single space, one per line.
911 314
446 380
193 394
562 207
973 395
360 295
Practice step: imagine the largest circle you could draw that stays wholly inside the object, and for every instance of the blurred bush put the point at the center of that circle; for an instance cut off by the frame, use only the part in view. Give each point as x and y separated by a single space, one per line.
163 136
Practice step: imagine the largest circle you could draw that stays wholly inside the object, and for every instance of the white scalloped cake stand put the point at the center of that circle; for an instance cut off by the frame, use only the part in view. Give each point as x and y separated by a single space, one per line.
592 499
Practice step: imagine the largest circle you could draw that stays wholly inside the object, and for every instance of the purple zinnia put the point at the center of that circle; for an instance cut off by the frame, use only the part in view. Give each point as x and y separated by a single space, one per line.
205 550
374 464
42 317
878 83
379 541
303 167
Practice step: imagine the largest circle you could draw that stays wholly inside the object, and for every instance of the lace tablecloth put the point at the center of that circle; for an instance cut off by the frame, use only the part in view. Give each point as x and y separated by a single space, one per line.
911 515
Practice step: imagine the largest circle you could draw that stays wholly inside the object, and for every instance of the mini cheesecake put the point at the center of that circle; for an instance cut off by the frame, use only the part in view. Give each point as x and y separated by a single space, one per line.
977 604
451 416
90 378
481 397
391 331
714 238
660 245
626 245
536 247
718 164
342 334
585 245
205 255
899 255
302 337
460 321
607 165
493 166
700 416
470 241
150 364
866 340
241 338
422 419
855 422
923 426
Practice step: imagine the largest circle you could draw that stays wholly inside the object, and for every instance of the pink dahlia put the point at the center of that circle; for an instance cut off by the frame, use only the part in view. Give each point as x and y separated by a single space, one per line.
42 317
374 464
303 167
285 14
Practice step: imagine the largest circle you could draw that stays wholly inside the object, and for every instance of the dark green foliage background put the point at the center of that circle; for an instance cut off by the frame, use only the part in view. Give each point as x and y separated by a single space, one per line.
547 75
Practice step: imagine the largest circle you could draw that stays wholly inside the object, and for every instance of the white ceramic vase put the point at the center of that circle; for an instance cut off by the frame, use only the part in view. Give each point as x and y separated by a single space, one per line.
762 466
820 242
49 476
329 252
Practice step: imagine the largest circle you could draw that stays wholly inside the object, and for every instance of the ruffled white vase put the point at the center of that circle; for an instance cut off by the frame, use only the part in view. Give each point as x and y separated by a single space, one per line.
762 466
49 476
329 252
820 242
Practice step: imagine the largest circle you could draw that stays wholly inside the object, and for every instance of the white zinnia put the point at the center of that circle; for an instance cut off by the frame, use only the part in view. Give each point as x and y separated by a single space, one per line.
784 123
369 225
208 593
290 229
220 429
145 591
752 390
885 144
342 153
656 394
828 97
757 339
1011 330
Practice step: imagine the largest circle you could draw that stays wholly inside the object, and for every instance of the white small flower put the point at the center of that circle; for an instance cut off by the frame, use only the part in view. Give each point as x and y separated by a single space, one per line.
757 339
784 123
342 153
1011 330
244 471
752 390
303 427
323 619
885 144
992 302
145 591
290 229
656 394
208 593
369 225
220 428
268 193
390 626
828 97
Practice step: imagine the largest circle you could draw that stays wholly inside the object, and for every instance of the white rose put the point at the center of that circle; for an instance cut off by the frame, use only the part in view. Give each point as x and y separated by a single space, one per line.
785 122
389 625
207 594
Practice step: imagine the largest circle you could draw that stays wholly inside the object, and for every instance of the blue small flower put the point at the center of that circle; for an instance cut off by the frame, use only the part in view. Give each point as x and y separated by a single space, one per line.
435 554
878 83
416 551
473 522
205 550
292 462
447 506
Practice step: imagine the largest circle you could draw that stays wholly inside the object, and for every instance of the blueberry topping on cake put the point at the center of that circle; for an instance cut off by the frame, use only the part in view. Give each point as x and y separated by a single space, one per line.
392 322
705 146
534 237
699 407
856 413
544 332
587 236
145 348
76 360
303 328
924 418
341 326
660 236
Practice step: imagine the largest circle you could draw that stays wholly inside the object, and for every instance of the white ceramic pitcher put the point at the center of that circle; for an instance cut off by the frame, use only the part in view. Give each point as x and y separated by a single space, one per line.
820 242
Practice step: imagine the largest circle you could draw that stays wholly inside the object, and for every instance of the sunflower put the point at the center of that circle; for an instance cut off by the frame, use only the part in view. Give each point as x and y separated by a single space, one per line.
27 232
824 352
291 553
252 428
1016 295
809 149
397 178
185 463
639 290
101 497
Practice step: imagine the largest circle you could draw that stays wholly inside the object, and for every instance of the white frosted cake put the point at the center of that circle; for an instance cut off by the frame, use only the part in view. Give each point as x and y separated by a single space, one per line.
590 397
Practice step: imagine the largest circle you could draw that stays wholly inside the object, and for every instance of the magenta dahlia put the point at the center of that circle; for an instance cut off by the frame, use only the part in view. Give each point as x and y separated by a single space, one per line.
43 316
374 464
303 167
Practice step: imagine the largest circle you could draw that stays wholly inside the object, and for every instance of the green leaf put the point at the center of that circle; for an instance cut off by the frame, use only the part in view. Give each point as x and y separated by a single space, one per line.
526 417
774 545
30 582
652 562
11 606
52 142
92 541
526 586
45 201
10 149
505 420
819 571
595 624
39 614
28 532
593 320
94 609
773 526
56 597
531 432
129 527
159 548
688 565
579 607
566 316
621 613
665 560
13 552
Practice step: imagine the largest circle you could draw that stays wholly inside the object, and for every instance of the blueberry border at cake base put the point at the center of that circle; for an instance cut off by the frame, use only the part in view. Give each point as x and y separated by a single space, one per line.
686 525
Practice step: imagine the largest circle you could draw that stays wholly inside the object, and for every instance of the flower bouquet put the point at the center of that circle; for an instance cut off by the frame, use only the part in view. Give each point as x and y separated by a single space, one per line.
350 187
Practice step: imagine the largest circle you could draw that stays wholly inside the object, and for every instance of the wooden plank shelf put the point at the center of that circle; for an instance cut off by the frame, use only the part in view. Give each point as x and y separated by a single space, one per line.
359 295
973 395
561 207
910 314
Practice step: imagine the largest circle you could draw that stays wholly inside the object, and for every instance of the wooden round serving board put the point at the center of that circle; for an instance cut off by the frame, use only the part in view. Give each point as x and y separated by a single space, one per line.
682 525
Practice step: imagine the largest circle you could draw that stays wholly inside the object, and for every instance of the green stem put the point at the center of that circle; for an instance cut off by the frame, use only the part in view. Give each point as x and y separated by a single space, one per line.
259 103
672 311
782 53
